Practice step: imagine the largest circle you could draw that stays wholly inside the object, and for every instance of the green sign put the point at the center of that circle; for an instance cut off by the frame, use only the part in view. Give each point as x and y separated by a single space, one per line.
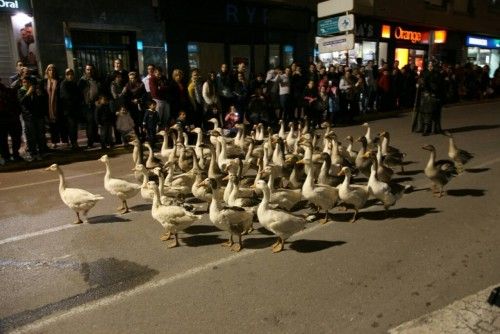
14 6
335 25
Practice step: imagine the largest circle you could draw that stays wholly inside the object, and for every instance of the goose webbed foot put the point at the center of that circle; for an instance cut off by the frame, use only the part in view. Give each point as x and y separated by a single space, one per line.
78 221
237 247
229 242
278 247
165 237
175 243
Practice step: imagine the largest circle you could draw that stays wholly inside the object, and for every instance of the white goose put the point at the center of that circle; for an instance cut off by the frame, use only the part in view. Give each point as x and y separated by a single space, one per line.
173 218
118 187
387 194
281 223
166 151
146 193
78 200
322 195
233 219
286 199
350 194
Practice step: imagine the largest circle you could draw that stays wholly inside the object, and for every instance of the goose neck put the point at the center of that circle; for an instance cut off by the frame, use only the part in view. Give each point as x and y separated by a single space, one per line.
62 180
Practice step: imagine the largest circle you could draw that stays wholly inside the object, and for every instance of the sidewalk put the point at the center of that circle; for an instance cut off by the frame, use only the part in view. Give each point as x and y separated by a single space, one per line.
469 315
65 155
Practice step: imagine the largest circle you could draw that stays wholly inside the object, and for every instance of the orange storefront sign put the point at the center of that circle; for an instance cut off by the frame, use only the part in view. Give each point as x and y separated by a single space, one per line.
413 36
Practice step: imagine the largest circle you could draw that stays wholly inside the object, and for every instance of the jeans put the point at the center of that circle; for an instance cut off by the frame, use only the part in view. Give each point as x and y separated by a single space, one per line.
163 109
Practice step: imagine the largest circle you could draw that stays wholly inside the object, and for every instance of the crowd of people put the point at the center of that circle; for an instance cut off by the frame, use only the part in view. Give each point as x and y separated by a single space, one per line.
122 105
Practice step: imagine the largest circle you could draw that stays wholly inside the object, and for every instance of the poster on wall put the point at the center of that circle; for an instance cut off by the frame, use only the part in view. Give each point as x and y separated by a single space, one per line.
24 37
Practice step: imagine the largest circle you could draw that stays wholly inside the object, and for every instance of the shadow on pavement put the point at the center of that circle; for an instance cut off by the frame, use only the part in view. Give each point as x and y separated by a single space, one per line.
466 192
474 128
201 229
105 219
141 207
311 246
477 170
202 240
263 230
383 214
258 243
105 277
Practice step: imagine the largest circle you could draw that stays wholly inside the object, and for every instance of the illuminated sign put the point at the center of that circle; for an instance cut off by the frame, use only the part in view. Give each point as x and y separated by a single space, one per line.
485 42
386 31
14 5
413 36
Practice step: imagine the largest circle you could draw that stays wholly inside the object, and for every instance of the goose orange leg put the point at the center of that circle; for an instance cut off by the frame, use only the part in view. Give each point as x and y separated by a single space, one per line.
279 246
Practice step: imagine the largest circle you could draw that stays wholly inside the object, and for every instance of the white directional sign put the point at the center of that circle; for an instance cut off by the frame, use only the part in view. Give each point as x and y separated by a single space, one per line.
336 43
332 7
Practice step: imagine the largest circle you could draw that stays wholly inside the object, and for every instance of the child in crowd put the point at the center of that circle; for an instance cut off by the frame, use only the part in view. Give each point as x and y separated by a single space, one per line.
182 120
105 119
125 125
232 118
150 122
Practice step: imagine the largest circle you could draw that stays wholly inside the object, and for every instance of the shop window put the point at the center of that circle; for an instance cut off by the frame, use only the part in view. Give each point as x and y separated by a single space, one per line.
240 54
401 56
193 55
287 55
274 55
211 57
369 51
382 53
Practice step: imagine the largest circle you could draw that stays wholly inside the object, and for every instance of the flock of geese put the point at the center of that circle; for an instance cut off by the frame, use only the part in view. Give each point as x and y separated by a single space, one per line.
262 176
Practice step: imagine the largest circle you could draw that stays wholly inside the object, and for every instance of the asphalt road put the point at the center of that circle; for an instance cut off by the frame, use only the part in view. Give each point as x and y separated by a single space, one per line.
114 275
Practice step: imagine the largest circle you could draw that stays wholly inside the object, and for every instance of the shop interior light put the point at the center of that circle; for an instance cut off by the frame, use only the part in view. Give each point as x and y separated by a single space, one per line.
140 45
68 43
386 31
440 36
21 18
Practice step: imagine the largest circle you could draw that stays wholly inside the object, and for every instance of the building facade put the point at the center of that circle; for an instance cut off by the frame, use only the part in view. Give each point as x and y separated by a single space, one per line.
452 31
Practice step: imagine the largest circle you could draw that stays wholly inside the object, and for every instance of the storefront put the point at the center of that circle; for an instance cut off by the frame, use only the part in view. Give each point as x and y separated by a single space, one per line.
385 42
17 37
261 35
483 50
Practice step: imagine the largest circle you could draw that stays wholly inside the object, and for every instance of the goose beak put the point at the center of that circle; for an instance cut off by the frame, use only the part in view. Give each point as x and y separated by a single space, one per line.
225 178
47 169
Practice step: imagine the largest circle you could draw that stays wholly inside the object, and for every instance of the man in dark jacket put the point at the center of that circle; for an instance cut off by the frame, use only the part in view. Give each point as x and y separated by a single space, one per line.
90 89
33 109
10 124
432 100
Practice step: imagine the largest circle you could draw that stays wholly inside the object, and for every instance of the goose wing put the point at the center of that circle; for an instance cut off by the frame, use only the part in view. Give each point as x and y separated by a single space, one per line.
78 196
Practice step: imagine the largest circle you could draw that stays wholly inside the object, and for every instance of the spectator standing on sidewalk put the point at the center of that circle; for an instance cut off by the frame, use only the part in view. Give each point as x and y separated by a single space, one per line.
150 123
195 92
432 100
70 97
57 123
211 105
224 88
159 90
34 110
133 95
90 88
105 119
10 124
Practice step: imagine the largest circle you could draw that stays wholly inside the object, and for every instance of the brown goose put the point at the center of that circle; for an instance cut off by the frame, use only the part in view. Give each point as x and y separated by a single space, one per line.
439 172
459 156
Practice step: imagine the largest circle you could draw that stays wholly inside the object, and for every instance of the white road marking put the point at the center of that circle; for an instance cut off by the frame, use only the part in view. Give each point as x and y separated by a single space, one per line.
50 181
36 326
35 234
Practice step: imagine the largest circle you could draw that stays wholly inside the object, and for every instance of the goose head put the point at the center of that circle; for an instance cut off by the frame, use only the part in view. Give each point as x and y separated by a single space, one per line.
139 168
162 133
152 185
429 148
349 139
52 168
157 171
261 185
104 158
210 184
196 130
345 171
365 125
